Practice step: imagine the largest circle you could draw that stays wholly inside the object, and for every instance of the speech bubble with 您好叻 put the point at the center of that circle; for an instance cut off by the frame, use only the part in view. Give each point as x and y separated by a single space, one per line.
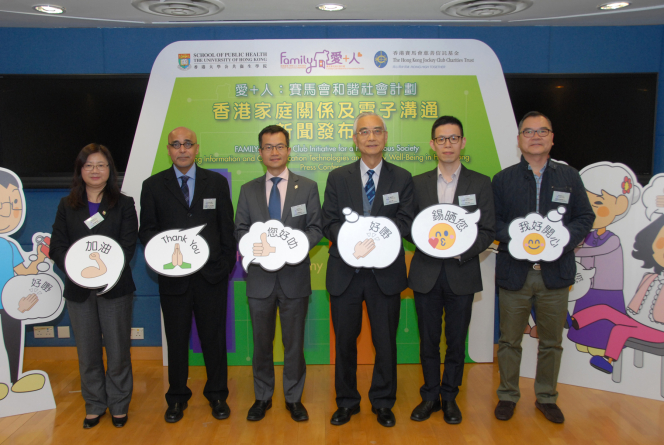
537 238
35 297
272 246
177 252
445 230
368 241
653 196
94 262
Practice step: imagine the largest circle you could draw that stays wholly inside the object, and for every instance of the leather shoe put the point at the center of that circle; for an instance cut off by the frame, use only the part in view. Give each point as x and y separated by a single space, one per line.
220 409
89 423
551 412
257 410
297 411
342 415
174 413
451 412
504 410
385 416
119 422
423 410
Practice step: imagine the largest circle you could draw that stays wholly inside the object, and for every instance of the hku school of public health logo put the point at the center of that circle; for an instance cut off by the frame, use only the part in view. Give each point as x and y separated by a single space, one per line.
380 59
184 61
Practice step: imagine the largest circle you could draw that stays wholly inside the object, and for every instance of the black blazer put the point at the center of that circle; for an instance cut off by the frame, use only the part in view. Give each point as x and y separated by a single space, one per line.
163 208
463 276
344 189
120 223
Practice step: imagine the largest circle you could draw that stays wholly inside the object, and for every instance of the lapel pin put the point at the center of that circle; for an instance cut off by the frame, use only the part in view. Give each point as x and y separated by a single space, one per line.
103 212
296 186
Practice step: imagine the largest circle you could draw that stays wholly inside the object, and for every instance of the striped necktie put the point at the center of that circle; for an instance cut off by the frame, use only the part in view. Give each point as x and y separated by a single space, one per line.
370 188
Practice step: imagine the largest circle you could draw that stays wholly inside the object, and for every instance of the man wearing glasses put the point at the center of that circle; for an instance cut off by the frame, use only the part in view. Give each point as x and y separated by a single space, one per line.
448 285
292 199
370 187
536 184
182 197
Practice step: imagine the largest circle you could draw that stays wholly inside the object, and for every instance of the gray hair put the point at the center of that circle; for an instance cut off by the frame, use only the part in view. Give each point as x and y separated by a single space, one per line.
365 114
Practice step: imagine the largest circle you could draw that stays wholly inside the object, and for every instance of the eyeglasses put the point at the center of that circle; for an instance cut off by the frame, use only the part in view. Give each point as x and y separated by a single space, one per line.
187 144
454 139
542 132
279 148
365 132
6 208
91 167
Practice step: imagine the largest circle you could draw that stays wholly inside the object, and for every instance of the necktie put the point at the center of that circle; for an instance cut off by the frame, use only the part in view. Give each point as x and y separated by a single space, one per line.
274 206
370 188
185 188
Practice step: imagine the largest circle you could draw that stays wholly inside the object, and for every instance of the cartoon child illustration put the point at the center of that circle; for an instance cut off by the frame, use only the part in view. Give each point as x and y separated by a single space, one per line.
611 190
645 312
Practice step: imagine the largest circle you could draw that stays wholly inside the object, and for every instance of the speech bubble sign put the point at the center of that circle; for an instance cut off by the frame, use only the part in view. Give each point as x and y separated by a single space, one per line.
177 252
653 196
536 238
582 282
445 230
94 262
368 241
32 297
272 246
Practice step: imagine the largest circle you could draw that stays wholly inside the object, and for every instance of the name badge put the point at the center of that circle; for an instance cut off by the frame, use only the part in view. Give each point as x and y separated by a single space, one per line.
391 198
93 220
298 210
467 200
210 204
560 197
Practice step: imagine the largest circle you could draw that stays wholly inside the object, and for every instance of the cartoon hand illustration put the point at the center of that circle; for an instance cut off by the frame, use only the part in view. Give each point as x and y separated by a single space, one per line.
92 271
263 248
659 200
177 255
26 303
364 248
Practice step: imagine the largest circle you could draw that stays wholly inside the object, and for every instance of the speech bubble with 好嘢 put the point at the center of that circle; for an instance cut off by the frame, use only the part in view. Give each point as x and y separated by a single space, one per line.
272 246
653 196
94 262
368 241
33 297
445 230
536 238
177 252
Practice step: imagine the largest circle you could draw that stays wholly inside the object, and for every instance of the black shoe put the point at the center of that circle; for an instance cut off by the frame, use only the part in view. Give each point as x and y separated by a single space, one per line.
220 409
551 412
451 412
385 416
342 415
119 422
297 411
89 423
423 410
504 410
174 413
257 410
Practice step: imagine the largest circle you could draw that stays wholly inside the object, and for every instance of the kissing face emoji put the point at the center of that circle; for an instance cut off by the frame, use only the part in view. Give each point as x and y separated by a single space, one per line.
442 236
534 243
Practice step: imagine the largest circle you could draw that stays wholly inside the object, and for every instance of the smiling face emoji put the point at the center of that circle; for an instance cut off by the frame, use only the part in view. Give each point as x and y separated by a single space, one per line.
442 236
534 243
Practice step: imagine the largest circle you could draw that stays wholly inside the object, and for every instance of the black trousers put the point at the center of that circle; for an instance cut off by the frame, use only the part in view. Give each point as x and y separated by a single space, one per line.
208 303
430 308
11 332
383 313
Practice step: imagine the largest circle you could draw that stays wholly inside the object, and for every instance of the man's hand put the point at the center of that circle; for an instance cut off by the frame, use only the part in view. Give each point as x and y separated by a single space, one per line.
263 248
177 255
364 248
26 303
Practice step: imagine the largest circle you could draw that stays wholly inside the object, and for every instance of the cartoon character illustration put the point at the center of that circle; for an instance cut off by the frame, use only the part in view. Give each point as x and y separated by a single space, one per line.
29 295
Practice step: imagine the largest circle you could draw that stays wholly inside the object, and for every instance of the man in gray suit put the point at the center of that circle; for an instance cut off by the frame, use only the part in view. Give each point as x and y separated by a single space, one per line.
282 195
448 284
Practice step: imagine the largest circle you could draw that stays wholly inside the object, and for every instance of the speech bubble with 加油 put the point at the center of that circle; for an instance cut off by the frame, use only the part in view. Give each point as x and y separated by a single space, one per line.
95 261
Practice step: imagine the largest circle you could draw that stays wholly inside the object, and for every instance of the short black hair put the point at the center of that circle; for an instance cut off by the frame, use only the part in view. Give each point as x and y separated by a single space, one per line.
272 129
445 120
643 242
7 179
535 114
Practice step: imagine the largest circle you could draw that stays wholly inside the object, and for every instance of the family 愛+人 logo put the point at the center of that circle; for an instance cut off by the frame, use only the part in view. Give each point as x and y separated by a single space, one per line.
321 59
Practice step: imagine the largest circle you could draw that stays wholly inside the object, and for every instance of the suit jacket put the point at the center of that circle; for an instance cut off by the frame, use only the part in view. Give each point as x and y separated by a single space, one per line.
120 223
295 280
344 189
163 207
463 276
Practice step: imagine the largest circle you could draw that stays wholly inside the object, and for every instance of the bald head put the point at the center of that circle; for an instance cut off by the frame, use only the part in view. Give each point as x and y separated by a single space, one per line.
178 140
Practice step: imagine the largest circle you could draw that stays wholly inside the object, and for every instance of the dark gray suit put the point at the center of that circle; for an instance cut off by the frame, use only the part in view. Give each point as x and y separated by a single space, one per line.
448 285
287 288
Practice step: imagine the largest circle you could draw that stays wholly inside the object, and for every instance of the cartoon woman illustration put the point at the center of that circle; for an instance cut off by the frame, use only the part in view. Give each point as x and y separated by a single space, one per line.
611 190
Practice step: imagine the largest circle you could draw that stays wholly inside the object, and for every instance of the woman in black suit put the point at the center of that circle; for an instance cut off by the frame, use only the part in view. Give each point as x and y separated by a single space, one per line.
95 190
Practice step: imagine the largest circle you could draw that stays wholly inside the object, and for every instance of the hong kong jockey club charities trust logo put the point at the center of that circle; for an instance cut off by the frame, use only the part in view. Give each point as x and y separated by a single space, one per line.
380 59
184 61
321 60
